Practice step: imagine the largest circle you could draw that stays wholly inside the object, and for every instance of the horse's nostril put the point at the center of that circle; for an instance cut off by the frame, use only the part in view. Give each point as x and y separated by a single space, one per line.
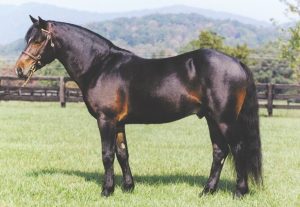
19 72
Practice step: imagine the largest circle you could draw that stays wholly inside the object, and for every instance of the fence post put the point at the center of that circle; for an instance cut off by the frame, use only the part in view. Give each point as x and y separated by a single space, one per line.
62 97
270 99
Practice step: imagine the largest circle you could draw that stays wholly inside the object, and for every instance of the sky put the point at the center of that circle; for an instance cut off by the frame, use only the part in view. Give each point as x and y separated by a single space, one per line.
257 9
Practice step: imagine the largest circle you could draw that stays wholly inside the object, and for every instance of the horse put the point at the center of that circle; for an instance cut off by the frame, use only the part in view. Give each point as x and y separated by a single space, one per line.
119 88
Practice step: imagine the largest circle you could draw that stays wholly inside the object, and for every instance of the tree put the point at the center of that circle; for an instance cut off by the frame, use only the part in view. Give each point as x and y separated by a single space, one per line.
290 49
264 61
53 69
209 39
269 68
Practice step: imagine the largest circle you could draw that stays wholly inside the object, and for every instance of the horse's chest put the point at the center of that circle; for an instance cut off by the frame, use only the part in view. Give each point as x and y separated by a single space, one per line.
110 100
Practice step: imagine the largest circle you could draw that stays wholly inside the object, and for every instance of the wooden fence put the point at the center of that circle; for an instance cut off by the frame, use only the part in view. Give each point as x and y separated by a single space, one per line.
52 89
286 95
55 89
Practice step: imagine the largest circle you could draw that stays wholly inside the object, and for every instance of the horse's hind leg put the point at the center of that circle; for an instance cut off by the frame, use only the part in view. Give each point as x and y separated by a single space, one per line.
122 155
240 166
220 152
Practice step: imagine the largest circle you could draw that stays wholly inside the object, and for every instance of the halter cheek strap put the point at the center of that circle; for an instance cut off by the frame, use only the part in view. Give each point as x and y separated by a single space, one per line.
39 57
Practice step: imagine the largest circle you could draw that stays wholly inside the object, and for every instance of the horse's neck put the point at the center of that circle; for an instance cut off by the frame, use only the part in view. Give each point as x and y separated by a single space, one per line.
79 51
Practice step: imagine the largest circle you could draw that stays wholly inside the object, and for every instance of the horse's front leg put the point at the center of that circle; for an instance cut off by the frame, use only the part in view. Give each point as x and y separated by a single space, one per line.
108 134
122 155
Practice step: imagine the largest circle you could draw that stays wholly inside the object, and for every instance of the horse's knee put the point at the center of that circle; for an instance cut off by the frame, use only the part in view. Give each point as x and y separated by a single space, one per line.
220 154
122 155
107 158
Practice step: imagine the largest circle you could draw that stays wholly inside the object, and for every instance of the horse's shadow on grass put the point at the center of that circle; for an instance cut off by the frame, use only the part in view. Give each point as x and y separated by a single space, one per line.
96 177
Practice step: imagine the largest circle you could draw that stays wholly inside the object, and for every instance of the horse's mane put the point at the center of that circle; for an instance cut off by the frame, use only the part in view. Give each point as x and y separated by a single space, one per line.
108 42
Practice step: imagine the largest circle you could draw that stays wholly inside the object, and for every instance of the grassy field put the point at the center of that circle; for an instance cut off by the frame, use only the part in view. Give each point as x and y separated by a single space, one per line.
51 156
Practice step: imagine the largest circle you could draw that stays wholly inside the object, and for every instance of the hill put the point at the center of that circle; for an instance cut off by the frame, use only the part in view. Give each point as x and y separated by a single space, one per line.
182 9
14 21
168 32
12 49
153 33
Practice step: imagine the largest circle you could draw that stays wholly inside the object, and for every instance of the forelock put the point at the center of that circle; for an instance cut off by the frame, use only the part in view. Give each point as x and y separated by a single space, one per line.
31 32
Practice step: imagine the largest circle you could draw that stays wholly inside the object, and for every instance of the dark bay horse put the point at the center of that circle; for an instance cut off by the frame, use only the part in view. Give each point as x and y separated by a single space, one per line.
121 88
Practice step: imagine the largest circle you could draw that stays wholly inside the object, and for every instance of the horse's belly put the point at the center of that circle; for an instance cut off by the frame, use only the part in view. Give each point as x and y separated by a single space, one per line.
162 110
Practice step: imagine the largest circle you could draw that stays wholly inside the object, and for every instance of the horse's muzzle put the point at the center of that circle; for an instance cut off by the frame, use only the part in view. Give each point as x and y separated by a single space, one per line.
19 72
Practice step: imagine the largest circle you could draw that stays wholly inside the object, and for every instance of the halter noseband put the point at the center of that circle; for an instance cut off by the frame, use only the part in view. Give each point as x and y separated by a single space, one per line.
37 58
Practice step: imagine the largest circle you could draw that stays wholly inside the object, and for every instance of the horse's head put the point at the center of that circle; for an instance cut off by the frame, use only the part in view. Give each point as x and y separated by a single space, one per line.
39 49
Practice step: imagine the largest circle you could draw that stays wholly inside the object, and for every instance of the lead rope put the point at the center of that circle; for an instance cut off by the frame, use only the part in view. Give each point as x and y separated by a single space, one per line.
31 71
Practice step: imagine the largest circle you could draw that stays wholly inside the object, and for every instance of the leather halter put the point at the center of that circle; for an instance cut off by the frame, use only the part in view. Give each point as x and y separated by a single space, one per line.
37 58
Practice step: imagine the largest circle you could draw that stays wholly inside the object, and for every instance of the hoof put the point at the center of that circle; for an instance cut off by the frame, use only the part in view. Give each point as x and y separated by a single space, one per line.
207 191
107 192
239 194
128 187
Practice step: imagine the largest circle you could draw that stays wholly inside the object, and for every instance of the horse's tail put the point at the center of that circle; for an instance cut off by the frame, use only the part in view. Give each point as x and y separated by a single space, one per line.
248 122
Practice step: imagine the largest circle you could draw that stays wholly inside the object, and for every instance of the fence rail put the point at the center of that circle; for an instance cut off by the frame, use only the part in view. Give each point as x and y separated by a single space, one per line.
290 93
58 91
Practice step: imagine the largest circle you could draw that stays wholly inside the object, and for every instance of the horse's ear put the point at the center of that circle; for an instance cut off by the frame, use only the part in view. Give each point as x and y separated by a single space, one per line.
34 20
42 23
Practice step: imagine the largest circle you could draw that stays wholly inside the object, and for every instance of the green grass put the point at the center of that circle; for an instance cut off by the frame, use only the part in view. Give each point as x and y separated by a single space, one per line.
51 156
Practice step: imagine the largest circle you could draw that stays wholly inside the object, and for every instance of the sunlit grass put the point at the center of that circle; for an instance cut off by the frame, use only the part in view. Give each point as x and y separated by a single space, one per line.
50 156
